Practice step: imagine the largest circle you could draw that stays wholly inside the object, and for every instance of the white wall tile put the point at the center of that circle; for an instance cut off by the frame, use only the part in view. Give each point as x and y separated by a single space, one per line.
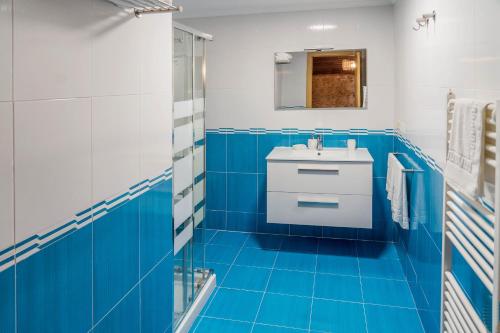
6 50
52 161
156 134
116 144
52 49
6 176
246 44
157 54
116 51
461 51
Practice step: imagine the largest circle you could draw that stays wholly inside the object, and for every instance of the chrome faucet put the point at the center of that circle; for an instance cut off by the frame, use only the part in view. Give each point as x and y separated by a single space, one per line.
320 142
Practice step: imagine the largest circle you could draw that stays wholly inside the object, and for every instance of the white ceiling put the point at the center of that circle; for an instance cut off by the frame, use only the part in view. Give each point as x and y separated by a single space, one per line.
205 8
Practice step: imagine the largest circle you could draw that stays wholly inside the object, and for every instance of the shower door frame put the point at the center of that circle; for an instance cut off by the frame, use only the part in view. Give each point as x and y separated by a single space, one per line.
195 292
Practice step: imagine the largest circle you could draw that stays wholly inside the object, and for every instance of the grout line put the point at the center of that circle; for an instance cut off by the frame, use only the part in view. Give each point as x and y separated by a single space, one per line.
131 289
313 297
362 292
222 281
265 289
314 285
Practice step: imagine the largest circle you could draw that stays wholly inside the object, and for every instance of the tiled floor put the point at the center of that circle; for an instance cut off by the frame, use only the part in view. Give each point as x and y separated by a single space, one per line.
279 284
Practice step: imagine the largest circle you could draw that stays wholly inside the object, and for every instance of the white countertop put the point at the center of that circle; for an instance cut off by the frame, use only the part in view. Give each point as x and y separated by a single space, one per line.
360 155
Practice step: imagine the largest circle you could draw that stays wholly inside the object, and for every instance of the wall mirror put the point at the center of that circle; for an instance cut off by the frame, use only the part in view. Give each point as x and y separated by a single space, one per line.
328 79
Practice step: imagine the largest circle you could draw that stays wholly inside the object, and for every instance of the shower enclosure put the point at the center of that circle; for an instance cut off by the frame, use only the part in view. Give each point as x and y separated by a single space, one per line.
190 273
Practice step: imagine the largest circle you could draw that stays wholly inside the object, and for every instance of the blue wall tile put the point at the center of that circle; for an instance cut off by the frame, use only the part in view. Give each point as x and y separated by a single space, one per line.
262 193
306 230
265 144
124 318
271 228
240 190
7 304
216 219
243 192
157 297
216 152
156 224
242 153
337 140
116 256
379 147
335 232
54 286
237 221
216 191
299 139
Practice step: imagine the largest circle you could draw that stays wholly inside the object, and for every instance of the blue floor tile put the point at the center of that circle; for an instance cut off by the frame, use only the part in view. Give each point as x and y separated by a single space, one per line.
229 238
235 304
219 269
387 292
300 244
213 325
296 261
247 278
338 287
386 269
338 317
263 241
392 320
338 247
337 265
256 257
220 254
291 283
283 310
209 234
260 328
377 250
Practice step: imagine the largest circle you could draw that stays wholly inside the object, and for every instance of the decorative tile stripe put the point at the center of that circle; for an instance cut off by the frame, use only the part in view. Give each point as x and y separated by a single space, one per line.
297 131
39 241
425 157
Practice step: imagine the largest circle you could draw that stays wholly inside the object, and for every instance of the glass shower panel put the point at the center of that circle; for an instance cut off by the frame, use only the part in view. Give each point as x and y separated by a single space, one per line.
183 173
190 273
199 162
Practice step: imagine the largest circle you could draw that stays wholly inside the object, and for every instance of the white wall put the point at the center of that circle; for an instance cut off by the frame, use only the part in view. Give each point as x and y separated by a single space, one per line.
240 66
85 108
461 51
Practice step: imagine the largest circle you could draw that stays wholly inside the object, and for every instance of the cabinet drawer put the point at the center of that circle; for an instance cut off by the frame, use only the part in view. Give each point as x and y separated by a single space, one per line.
319 177
334 210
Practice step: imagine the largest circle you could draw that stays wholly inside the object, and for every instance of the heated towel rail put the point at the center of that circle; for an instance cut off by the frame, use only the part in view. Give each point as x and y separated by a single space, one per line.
469 227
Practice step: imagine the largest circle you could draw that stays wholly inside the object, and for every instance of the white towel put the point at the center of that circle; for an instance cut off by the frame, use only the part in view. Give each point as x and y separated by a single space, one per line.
396 191
465 148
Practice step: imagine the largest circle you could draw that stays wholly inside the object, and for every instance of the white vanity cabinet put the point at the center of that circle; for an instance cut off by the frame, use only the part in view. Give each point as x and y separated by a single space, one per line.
332 187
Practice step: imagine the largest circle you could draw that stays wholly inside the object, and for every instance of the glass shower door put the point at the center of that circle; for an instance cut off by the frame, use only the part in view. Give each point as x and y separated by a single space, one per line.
190 274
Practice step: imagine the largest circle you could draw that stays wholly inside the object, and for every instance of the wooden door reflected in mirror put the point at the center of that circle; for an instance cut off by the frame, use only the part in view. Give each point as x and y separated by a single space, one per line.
320 80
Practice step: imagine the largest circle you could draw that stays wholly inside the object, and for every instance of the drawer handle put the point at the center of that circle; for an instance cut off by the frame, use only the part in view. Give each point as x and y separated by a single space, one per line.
318 202
318 167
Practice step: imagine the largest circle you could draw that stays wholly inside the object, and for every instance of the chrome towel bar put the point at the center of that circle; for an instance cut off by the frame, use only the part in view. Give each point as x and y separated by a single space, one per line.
407 170
147 6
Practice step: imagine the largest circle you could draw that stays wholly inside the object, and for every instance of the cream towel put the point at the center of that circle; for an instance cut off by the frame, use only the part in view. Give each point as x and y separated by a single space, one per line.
464 166
396 191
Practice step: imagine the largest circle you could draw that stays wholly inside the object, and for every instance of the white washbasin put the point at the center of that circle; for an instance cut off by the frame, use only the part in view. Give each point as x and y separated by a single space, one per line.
327 155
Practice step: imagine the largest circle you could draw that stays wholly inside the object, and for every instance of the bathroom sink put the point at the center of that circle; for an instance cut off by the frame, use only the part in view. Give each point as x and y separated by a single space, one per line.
327 155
